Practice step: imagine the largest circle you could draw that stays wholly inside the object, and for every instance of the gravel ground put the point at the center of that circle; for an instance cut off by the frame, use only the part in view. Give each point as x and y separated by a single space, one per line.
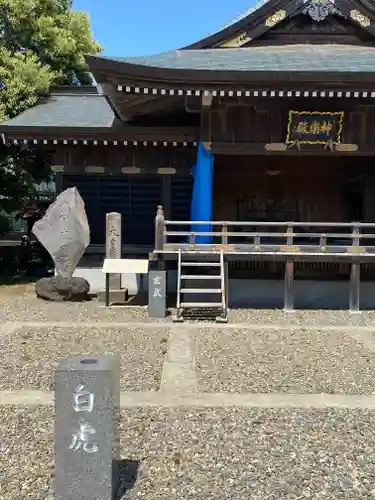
30 356
19 303
298 361
26 453
220 454
302 317
26 307
29 308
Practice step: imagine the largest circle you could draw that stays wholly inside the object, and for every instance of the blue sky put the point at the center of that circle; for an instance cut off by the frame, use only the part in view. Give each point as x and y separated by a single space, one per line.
132 28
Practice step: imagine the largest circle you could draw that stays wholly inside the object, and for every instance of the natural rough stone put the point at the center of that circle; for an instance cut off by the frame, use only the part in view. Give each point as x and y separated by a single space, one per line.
59 289
64 231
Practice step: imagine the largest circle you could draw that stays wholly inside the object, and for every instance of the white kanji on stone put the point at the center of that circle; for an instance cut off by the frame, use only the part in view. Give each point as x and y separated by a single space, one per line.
83 399
83 438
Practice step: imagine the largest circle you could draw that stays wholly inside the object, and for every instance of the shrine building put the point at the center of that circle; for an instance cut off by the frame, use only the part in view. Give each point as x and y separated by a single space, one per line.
276 114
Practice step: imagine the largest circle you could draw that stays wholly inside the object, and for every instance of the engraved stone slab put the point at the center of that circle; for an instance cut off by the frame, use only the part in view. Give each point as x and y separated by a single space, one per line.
113 245
157 294
87 406
64 231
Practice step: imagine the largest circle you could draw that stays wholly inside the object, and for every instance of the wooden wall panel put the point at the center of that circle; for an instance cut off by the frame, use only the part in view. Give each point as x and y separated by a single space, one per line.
370 125
267 121
301 190
354 129
75 159
218 124
242 124
262 125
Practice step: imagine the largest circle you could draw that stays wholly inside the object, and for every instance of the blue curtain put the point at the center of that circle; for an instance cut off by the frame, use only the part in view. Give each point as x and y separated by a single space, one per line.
201 203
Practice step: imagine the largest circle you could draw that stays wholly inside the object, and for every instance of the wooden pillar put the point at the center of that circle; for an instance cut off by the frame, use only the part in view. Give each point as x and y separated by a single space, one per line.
355 275
59 182
289 286
289 276
355 282
205 126
205 120
206 115
159 236
224 241
159 229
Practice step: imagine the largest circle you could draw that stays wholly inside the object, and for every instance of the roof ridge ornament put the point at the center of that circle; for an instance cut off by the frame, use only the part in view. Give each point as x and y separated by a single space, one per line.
275 18
319 10
237 41
360 18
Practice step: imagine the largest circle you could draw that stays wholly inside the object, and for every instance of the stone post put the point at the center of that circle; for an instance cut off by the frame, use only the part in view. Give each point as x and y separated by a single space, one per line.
113 250
113 245
87 410
157 294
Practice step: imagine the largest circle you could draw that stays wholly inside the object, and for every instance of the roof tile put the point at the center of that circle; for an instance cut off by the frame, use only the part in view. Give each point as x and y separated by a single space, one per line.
72 110
339 58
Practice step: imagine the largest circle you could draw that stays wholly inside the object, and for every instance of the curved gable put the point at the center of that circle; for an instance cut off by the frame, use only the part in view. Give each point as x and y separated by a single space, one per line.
231 30
266 15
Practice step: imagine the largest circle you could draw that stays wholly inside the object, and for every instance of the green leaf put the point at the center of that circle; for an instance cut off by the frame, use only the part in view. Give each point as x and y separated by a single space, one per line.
42 43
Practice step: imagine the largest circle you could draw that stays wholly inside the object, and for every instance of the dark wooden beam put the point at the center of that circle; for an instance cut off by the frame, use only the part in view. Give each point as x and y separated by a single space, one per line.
123 133
224 148
144 104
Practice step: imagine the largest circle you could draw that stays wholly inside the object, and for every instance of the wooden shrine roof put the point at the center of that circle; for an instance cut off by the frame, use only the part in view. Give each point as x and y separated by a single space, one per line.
294 58
83 115
331 56
84 108
344 45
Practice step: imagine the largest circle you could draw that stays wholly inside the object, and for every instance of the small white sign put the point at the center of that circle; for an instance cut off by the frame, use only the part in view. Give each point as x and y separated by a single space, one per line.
125 266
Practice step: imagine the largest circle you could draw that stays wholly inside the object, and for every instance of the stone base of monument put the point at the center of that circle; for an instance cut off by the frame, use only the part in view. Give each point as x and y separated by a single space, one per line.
63 290
120 296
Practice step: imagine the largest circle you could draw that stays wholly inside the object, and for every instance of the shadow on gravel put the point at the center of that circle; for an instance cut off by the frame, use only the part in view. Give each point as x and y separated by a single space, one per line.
128 471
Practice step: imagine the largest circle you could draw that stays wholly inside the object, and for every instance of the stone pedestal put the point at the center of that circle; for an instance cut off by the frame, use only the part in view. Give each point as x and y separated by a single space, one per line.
87 409
115 296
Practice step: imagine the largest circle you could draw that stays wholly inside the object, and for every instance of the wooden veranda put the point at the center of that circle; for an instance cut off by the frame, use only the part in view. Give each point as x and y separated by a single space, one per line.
287 242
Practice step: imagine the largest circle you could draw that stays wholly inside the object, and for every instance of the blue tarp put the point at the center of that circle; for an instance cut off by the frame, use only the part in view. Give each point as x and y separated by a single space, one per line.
201 203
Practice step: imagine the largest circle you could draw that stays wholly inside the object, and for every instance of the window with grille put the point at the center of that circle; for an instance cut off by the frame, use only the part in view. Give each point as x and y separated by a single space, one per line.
135 197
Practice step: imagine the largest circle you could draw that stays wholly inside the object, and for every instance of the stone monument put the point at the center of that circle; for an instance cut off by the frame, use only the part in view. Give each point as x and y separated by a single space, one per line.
113 250
65 234
113 245
87 411
157 294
